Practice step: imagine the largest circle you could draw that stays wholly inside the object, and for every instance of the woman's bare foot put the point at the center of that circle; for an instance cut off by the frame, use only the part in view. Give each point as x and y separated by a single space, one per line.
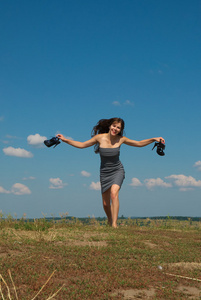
109 222
114 225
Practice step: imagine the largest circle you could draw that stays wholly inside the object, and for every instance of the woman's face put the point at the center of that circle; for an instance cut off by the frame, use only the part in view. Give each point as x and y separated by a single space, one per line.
115 128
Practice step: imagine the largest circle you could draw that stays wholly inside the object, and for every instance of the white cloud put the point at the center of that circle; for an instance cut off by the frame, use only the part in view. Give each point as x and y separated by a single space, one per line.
65 136
198 165
183 181
3 191
85 174
20 189
135 182
17 189
36 140
95 186
152 182
116 103
29 178
185 189
69 138
128 102
158 71
1 118
8 136
10 151
56 183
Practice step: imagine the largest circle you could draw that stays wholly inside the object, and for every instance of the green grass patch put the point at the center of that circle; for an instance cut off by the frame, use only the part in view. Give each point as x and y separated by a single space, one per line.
93 261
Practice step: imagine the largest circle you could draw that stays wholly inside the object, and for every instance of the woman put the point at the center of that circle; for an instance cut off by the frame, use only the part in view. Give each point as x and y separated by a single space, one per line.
107 136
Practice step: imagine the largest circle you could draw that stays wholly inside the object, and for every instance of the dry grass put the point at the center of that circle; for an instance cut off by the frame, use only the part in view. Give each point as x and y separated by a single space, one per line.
8 289
98 262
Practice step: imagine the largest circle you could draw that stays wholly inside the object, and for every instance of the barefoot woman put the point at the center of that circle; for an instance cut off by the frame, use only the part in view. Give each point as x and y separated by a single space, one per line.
107 136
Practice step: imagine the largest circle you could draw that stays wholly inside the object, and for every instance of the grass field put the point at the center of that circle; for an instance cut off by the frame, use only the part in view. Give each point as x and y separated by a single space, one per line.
141 259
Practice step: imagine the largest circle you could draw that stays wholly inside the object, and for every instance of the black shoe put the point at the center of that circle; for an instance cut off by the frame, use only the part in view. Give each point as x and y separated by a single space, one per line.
52 142
160 147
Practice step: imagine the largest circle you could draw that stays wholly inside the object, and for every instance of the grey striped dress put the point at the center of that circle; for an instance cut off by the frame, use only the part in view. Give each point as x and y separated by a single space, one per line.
111 168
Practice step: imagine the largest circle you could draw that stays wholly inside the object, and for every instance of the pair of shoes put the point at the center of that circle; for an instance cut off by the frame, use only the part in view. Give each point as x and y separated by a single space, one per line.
52 142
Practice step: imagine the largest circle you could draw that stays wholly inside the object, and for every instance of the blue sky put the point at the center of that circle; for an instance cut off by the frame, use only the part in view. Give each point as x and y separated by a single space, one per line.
66 64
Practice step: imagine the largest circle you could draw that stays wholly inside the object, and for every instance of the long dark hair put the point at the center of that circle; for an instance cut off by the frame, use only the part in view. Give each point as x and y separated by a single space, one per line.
103 126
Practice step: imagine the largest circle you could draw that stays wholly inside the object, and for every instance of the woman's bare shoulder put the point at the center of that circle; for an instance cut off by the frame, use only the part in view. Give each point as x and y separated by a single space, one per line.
101 135
122 139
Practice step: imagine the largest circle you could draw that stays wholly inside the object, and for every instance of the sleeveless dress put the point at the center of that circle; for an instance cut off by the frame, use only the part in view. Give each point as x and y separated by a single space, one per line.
111 168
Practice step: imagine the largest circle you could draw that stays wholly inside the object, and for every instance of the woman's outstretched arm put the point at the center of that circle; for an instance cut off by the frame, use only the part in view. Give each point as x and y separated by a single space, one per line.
142 143
78 144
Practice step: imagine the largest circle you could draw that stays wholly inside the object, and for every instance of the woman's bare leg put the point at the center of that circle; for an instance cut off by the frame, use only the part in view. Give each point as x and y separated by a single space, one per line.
106 205
114 194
